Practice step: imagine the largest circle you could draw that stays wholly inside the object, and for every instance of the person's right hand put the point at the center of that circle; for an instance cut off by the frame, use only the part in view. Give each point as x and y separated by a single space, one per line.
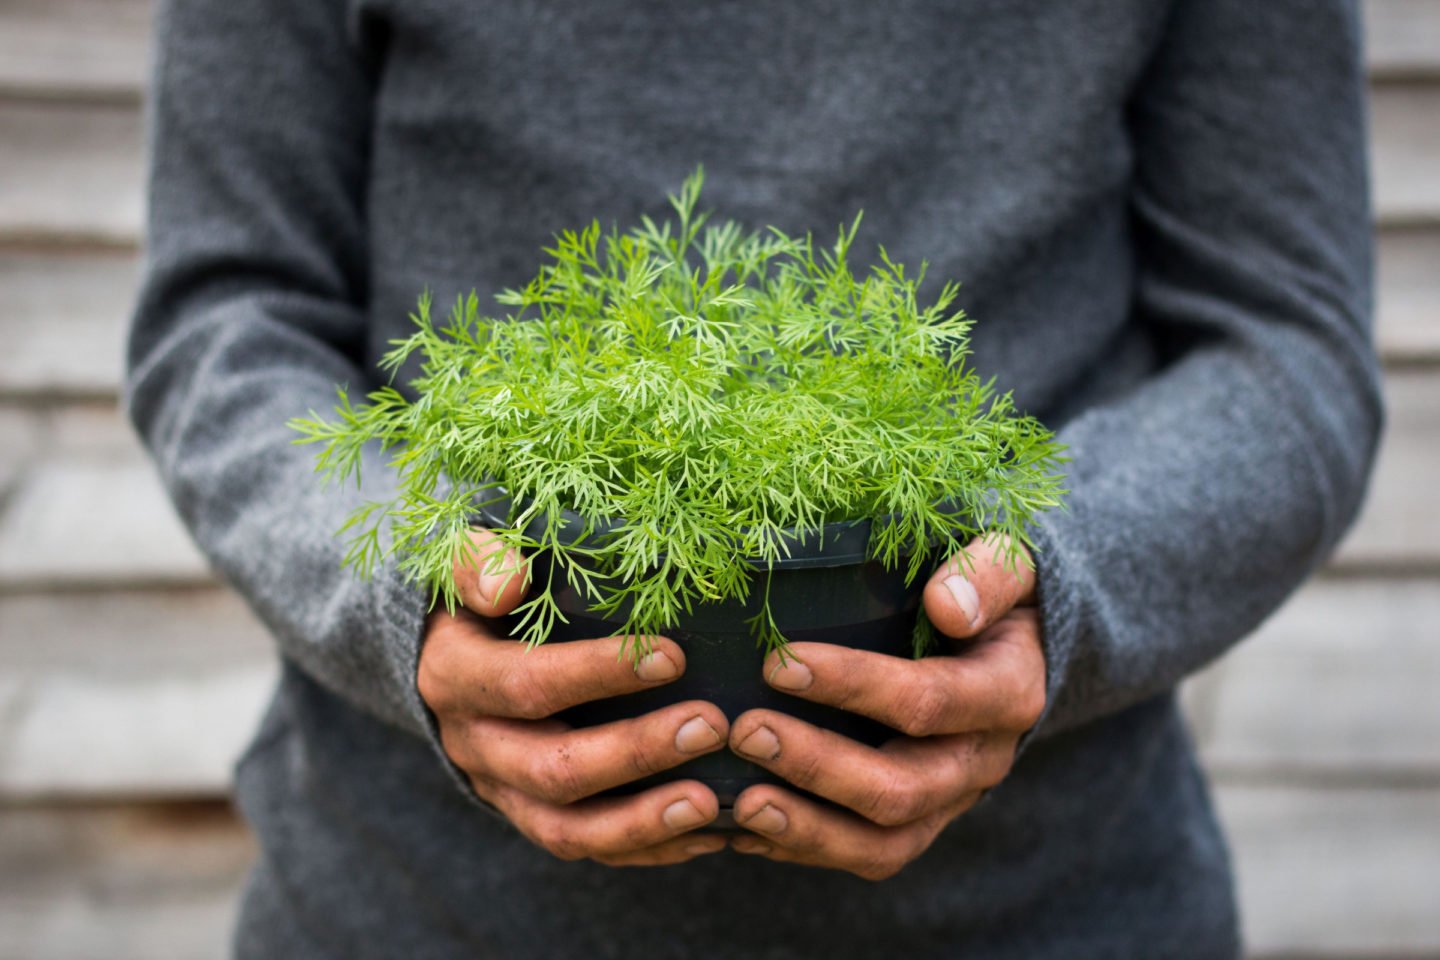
494 697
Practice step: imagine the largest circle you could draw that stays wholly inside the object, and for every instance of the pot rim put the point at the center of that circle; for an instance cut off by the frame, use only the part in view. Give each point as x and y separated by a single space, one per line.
840 543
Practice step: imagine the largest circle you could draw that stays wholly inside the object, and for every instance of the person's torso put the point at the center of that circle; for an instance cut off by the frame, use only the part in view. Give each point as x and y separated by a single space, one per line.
987 137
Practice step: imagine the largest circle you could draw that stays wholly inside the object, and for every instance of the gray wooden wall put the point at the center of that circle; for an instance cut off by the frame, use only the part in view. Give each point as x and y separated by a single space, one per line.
129 680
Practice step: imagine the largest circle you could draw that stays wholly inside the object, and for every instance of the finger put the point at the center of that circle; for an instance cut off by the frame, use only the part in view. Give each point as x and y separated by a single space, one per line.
465 667
555 763
679 850
789 828
605 826
975 588
996 682
490 578
905 781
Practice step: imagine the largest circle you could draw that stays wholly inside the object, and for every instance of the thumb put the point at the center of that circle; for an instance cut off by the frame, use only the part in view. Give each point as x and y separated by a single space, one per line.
975 588
490 578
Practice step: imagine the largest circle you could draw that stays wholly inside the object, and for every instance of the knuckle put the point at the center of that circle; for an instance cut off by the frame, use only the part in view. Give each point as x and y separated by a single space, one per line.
436 667
523 694
555 779
430 683
802 768
995 767
849 682
482 790
896 801
641 760
456 744
920 839
559 840
981 762
878 868
1025 704
894 854
925 715
634 835
623 839
1032 703
969 802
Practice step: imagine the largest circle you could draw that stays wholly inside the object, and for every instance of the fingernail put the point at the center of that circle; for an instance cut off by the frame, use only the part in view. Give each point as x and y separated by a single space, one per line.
768 820
762 744
682 814
965 596
492 583
791 675
695 735
696 849
751 845
656 666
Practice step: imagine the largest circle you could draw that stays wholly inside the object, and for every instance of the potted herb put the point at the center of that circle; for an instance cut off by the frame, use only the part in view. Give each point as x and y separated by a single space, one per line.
728 437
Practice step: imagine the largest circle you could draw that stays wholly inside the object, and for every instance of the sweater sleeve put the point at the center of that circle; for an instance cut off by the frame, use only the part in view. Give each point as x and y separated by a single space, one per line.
1202 498
252 310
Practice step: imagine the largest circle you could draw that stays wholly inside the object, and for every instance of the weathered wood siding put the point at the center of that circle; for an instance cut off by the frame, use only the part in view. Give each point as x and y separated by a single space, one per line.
129 679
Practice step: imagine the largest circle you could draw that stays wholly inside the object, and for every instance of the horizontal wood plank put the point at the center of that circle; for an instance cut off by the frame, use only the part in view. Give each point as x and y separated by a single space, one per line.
94 522
1403 37
176 734
1339 685
1336 873
1400 524
70 172
94 431
74 47
1405 142
1408 295
147 882
20 440
159 690
64 323
127 635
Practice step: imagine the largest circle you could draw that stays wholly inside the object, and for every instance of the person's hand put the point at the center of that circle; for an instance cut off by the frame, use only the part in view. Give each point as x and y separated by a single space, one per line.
493 699
962 716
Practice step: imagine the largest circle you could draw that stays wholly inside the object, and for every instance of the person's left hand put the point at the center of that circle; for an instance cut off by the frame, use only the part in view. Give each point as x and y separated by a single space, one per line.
962 716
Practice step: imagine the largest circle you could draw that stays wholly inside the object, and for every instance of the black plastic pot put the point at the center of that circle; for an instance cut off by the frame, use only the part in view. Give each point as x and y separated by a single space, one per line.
827 592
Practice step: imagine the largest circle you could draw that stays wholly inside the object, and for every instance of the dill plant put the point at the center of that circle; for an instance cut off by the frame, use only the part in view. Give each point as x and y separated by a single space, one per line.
703 397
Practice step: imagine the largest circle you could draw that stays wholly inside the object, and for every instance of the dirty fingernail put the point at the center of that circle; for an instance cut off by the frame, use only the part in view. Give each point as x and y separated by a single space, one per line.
965 596
682 814
791 675
762 744
695 735
655 666
768 820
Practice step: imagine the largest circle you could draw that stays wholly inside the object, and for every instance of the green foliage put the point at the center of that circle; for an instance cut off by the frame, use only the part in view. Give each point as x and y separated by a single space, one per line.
711 387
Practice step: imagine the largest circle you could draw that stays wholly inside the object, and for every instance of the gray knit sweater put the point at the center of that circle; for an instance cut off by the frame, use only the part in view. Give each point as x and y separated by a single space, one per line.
1159 212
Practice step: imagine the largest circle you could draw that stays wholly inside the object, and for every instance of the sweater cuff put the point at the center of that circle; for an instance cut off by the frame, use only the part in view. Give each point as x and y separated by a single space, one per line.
404 609
1060 596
